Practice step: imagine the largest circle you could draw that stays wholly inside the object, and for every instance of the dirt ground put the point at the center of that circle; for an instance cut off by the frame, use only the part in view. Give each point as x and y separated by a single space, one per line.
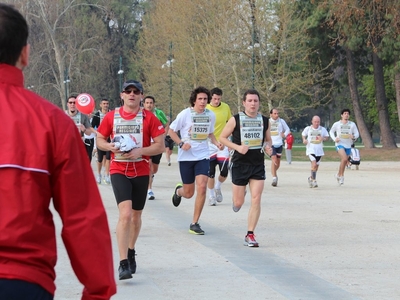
331 242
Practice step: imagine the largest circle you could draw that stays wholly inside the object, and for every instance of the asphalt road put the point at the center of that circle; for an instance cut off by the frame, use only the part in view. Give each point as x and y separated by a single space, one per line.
331 242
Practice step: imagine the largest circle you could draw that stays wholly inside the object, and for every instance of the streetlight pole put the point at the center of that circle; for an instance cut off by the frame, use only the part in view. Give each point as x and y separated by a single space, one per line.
120 72
170 81
66 82
253 56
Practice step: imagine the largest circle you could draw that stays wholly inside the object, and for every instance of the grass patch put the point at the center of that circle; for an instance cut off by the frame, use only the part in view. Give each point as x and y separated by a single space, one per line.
375 154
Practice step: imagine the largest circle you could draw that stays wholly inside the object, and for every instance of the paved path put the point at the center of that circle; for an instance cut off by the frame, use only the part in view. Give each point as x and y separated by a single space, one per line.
326 243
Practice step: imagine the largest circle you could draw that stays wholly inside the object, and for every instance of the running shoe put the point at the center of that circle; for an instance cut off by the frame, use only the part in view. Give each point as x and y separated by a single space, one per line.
196 229
107 179
218 195
310 182
314 184
98 179
124 271
150 195
274 181
212 201
341 180
337 178
234 208
132 260
169 164
250 240
176 200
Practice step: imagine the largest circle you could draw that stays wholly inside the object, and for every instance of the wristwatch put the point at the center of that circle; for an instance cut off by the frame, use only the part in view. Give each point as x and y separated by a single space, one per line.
180 144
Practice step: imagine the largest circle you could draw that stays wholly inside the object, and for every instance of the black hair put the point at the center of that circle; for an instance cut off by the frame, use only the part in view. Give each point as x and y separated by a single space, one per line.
73 95
250 92
345 110
150 97
216 91
13 34
196 91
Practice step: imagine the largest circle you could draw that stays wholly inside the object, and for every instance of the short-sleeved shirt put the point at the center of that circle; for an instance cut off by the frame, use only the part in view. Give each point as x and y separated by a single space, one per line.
222 115
277 127
315 137
152 128
161 116
183 123
80 118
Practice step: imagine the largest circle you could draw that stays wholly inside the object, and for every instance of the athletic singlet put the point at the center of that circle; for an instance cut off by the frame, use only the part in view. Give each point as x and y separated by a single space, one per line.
128 128
315 136
201 125
274 126
251 130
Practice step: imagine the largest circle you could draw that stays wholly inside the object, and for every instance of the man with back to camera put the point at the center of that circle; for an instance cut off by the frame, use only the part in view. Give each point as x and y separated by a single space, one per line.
46 162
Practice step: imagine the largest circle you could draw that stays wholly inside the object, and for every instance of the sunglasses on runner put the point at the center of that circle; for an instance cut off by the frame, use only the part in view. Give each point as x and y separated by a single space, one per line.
128 92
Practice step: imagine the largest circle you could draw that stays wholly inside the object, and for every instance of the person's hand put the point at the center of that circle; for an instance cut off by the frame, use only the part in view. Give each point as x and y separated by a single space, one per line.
186 146
267 149
134 153
220 146
82 128
243 149
113 148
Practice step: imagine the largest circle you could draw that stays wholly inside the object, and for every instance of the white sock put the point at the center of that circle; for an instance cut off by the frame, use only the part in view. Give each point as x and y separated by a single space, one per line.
211 192
218 185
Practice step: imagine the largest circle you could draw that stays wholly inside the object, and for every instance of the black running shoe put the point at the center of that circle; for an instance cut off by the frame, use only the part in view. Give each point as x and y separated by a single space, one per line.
196 229
132 260
176 200
124 271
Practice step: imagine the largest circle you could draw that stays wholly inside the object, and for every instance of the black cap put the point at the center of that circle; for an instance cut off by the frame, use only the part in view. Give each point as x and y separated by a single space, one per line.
134 83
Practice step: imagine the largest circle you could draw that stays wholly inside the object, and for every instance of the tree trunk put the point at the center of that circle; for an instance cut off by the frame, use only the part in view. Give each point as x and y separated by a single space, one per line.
362 127
387 137
397 87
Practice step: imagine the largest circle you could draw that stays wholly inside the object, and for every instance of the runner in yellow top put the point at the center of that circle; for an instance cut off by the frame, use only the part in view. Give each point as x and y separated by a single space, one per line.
218 157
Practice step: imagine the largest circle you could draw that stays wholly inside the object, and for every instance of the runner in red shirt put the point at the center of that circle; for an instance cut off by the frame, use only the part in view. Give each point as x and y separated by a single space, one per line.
129 169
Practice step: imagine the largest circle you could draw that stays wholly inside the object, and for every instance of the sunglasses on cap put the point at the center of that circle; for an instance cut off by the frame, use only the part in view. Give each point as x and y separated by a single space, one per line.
128 92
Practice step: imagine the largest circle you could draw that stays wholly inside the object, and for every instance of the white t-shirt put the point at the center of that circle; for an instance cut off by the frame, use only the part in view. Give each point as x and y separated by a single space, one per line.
315 138
277 127
343 131
199 148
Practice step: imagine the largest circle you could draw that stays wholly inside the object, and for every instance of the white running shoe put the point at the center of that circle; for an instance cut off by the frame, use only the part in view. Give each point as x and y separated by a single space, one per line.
150 195
274 181
107 179
337 178
98 179
310 182
212 201
314 184
218 195
341 180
